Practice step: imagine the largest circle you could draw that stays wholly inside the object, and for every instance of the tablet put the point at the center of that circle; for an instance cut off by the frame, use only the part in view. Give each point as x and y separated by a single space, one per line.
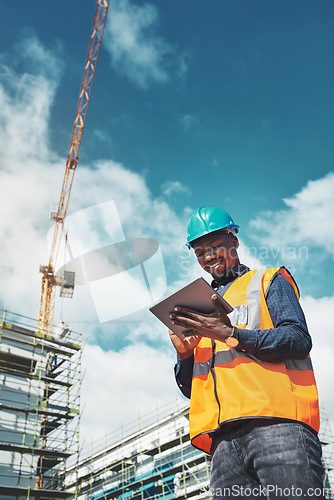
196 295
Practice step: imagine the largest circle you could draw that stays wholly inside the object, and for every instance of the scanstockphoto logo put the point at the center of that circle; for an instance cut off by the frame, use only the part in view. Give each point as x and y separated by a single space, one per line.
271 490
115 276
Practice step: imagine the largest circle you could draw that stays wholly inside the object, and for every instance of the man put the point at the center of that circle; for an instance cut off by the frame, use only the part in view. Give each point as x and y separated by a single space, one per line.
249 377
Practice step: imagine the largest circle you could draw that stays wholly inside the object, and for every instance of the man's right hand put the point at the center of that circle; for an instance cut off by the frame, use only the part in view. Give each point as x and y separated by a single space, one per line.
185 348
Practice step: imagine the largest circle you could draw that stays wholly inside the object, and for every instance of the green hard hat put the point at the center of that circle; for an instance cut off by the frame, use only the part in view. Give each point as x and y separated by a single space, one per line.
205 220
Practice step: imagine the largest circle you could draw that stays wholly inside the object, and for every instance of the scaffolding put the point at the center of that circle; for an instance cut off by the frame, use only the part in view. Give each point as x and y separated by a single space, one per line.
156 460
39 431
39 407
327 443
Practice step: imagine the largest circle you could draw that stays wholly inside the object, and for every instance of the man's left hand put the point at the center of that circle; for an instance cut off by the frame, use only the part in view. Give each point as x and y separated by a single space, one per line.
216 325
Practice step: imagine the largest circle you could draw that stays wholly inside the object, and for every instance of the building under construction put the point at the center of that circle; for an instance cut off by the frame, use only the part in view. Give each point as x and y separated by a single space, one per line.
154 459
39 407
147 460
39 433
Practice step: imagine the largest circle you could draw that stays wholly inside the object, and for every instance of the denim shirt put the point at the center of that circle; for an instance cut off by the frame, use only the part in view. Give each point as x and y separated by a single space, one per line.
289 339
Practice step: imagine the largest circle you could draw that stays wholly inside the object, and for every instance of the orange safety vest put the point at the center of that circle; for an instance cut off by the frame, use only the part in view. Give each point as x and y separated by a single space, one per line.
229 385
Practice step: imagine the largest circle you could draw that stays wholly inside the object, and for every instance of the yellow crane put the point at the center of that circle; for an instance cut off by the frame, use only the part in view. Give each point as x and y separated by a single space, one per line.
49 279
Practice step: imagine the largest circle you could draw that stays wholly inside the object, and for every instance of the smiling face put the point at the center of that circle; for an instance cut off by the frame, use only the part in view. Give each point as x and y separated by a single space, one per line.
217 253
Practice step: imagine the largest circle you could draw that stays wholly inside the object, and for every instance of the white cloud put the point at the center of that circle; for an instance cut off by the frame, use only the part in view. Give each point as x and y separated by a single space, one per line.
307 220
117 384
136 51
24 203
47 62
248 257
118 387
214 162
318 313
31 183
174 187
25 101
31 175
101 136
141 214
139 378
28 171
188 122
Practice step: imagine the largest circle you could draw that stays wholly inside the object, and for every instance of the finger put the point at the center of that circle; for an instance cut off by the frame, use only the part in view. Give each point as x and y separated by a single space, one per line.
186 322
177 340
188 313
183 310
171 333
219 309
191 341
190 334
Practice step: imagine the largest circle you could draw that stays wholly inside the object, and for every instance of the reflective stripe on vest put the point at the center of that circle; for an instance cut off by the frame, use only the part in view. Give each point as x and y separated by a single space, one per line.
227 356
229 385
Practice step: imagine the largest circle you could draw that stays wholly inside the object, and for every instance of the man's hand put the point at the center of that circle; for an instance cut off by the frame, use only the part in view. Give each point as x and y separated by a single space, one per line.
184 348
216 325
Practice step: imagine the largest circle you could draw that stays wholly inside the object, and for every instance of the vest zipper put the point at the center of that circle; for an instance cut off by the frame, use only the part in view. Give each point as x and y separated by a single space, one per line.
212 369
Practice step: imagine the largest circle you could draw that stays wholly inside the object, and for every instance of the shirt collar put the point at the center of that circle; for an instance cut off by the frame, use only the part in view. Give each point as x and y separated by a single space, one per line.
233 273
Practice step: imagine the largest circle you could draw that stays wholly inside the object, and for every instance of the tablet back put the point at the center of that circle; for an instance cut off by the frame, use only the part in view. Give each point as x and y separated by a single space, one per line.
196 295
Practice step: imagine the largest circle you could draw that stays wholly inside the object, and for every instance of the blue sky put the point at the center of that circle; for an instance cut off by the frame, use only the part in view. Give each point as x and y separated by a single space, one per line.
223 103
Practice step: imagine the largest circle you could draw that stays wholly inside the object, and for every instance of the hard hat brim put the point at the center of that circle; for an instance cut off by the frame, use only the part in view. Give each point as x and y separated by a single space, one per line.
190 240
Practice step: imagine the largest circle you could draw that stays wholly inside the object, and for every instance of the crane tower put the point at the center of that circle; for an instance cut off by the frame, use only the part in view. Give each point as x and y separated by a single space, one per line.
49 279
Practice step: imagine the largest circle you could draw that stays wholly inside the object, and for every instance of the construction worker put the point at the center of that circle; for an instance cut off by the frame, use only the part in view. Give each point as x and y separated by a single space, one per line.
249 377
53 360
